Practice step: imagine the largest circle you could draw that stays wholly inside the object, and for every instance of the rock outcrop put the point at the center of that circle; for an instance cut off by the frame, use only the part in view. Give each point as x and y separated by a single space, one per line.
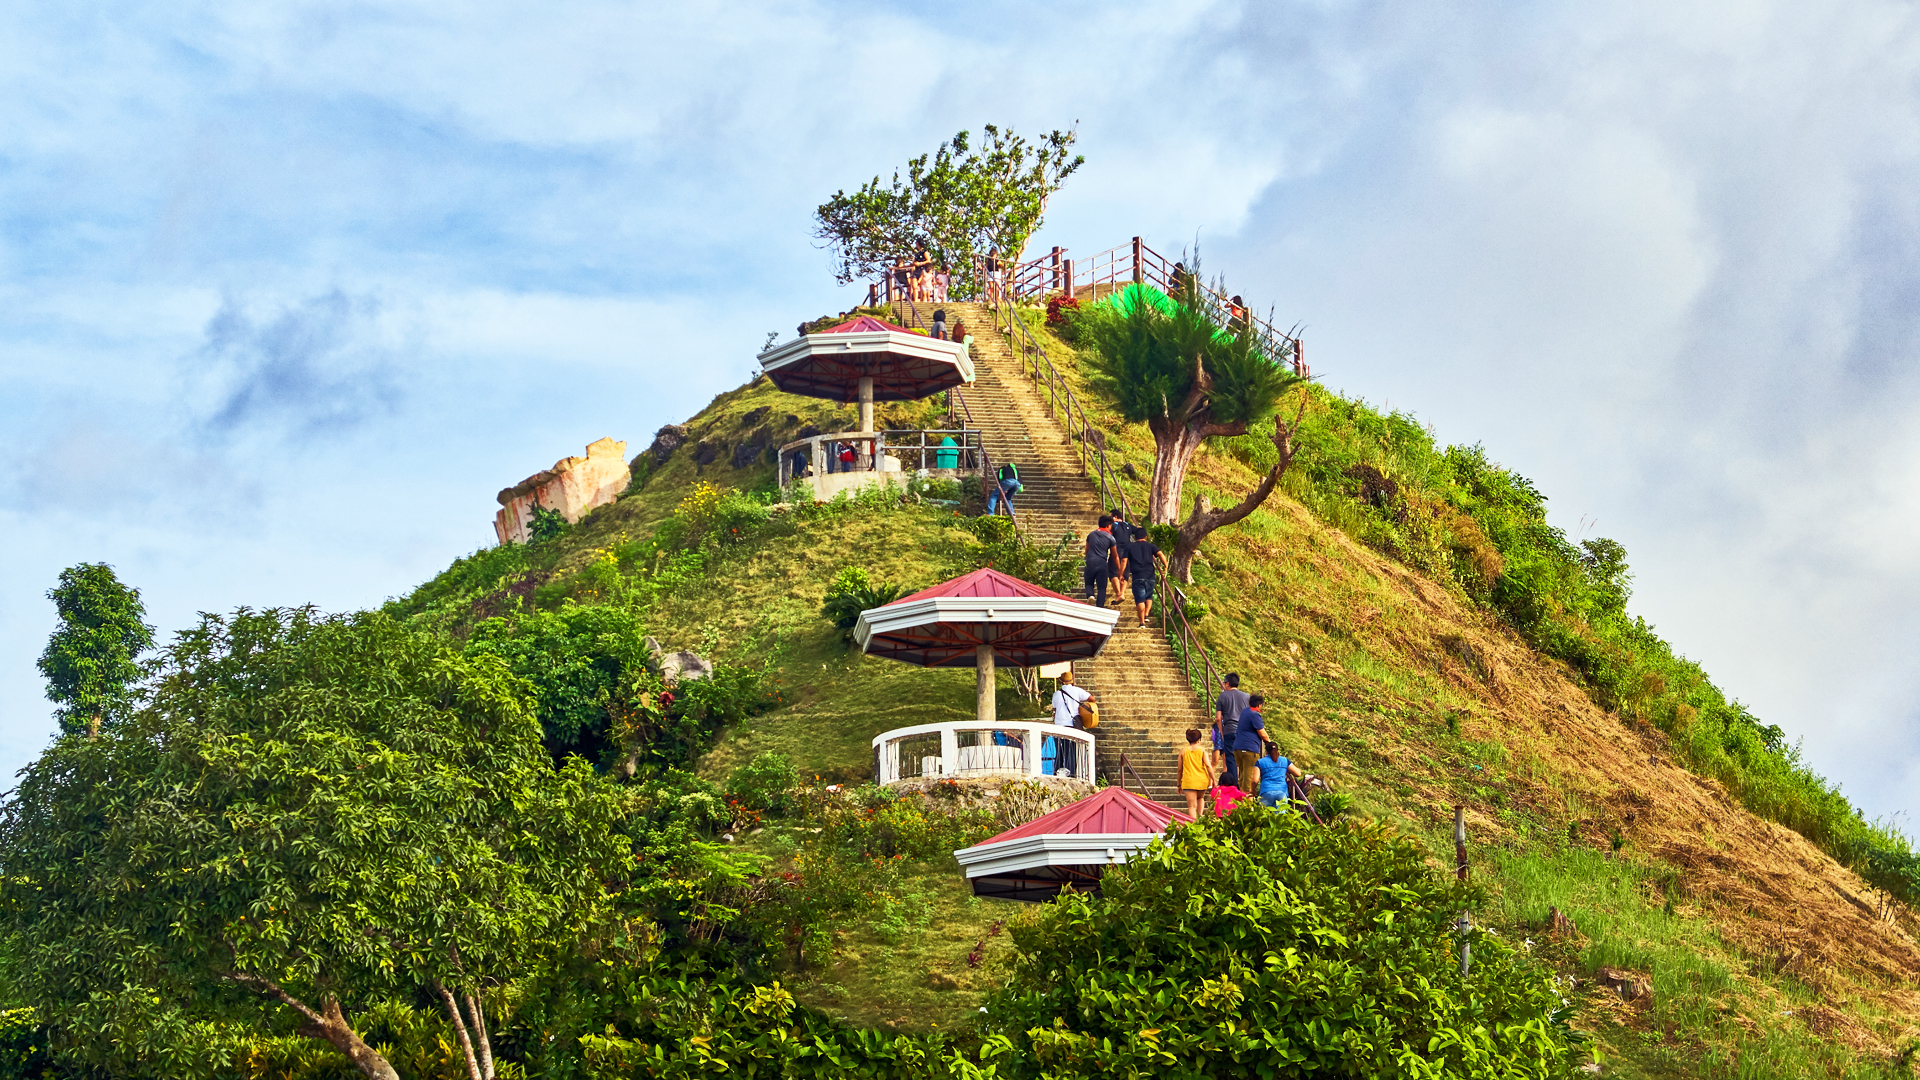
572 487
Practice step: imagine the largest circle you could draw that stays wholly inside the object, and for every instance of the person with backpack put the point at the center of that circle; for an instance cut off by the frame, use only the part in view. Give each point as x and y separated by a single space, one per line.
1005 488
1068 701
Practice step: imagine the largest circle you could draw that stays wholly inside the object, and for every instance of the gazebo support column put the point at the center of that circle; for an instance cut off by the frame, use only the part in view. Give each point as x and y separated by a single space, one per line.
866 403
986 709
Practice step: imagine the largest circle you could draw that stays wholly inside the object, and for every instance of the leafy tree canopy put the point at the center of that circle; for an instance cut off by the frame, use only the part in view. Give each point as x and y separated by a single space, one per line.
89 661
309 815
953 204
1262 946
581 660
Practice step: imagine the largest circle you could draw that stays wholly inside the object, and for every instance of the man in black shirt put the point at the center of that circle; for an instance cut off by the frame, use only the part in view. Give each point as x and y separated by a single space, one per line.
1139 555
1100 545
1124 532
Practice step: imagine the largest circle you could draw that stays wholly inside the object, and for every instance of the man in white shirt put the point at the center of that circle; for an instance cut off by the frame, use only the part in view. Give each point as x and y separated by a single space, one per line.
1066 713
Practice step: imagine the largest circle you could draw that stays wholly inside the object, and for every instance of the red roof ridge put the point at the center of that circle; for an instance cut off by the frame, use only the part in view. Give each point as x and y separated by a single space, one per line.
1109 810
986 583
862 324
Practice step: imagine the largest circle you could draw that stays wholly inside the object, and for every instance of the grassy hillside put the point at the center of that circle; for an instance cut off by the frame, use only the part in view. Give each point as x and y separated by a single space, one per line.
1392 634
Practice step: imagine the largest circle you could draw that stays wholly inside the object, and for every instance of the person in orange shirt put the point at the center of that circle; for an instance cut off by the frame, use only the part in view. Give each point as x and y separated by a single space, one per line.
1196 775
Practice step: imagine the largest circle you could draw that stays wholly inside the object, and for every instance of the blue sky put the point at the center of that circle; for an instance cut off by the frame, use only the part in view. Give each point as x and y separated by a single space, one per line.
288 292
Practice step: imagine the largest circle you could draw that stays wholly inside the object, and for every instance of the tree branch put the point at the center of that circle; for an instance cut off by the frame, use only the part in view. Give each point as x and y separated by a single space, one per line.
273 989
479 1015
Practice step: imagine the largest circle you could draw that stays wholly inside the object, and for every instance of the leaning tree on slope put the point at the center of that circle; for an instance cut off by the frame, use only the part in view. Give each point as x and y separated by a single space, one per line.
1189 380
307 817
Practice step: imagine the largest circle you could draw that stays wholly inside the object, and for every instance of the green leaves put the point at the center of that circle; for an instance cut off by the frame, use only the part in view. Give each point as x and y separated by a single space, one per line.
1168 363
89 660
336 805
953 205
1262 946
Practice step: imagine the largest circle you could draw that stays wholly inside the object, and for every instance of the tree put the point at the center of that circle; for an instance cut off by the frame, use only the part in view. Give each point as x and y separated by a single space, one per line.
309 815
954 204
1264 946
89 661
1188 380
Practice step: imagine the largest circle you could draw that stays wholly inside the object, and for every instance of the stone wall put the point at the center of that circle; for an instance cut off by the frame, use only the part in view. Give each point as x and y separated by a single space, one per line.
572 487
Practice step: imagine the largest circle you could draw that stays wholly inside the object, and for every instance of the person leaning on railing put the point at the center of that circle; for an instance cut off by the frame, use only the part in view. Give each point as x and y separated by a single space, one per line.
1275 773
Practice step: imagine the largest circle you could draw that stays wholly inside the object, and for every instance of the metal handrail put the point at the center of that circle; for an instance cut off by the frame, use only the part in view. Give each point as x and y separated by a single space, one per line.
1061 401
1181 634
988 473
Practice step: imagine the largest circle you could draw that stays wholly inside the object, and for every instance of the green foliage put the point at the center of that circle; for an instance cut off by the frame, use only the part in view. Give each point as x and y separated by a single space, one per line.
1001 546
339 806
853 592
546 524
1463 520
1147 358
89 661
1265 946
955 204
454 591
25 1053
766 783
582 662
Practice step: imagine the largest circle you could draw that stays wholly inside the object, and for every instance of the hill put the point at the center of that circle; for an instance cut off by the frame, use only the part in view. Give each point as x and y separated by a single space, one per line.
1426 641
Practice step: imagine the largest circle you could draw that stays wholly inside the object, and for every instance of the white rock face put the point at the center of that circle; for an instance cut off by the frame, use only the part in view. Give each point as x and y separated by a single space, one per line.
572 487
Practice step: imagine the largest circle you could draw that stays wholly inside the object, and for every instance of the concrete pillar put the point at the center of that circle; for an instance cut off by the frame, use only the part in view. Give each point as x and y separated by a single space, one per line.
949 751
985 709
866 403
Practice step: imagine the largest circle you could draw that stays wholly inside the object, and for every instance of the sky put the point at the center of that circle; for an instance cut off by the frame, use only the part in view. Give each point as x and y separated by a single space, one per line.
288 292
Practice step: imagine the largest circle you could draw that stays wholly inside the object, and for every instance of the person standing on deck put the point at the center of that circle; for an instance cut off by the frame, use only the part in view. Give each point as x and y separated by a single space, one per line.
1066 713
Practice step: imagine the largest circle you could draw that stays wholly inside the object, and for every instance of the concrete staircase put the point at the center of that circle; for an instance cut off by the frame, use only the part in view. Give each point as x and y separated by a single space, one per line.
1146 703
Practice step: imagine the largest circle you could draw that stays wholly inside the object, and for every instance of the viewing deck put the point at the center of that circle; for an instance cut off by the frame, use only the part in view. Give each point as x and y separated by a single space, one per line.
967 749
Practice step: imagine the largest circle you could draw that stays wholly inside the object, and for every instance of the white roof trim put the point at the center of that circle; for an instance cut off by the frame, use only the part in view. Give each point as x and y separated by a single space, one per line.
810 345
1051 849
902 615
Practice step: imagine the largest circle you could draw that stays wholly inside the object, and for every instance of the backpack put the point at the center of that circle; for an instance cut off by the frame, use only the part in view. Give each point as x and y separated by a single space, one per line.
1089 714
1010 471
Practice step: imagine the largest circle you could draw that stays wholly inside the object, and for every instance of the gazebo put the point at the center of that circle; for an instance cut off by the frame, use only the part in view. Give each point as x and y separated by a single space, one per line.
980 620
1069 848
865 360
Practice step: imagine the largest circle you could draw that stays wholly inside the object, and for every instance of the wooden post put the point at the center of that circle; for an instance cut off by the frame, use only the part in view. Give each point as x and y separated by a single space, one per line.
1138 272
1067 290
1460 872
985 709
1057 249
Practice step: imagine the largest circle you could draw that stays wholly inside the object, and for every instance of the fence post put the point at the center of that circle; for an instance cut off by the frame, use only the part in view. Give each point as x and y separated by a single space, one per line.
1460 872
1139 273
1067 274
1057 249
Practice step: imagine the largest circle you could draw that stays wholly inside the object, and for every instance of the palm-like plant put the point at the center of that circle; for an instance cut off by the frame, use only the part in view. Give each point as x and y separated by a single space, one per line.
1189 380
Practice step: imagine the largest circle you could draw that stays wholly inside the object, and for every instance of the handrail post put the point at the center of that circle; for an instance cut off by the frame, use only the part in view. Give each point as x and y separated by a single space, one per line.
1138 273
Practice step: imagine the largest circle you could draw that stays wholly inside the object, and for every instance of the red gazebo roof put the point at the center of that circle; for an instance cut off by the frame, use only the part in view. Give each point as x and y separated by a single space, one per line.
864 323
1106 812
989 583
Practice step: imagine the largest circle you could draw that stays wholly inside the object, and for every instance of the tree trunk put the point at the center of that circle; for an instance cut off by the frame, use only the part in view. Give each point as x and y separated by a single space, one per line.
1205 519
1174 445
328 1025
480 1060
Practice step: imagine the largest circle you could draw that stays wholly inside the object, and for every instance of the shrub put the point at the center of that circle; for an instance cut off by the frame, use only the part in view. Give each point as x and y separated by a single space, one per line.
765 783
546 524
1264 945
1060 308
853 592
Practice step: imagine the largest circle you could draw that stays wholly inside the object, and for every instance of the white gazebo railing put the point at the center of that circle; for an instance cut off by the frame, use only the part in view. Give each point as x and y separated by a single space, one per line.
970 749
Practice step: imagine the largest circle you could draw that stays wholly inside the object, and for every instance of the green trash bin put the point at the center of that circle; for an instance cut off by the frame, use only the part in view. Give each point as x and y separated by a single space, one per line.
948 456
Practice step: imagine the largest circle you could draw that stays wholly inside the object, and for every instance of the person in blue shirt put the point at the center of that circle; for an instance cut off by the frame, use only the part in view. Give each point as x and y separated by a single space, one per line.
1275 771
1249 742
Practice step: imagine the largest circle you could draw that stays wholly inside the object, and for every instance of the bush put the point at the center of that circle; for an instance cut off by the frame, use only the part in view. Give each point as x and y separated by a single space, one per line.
853 592
1262 945
765 783
546 524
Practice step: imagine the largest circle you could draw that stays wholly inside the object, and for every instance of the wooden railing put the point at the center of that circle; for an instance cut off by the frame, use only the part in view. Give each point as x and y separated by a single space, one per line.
1088 441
